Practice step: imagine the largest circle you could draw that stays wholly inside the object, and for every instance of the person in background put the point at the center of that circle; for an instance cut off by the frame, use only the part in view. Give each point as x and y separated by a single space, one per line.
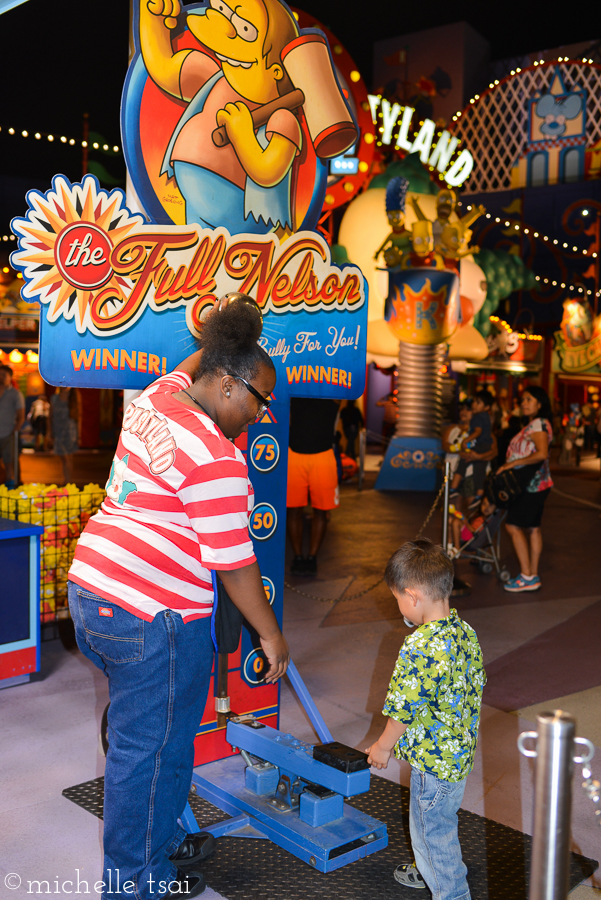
573 436
530 446
588 420
352 422
479 440
391 415
453 435
12 416
312 476
39 414
65 416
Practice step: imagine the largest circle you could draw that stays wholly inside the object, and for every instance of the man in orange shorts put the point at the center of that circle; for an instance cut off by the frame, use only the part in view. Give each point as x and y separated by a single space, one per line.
312 476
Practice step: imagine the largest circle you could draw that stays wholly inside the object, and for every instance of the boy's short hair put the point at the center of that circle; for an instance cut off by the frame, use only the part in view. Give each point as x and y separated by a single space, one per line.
486 397
421 564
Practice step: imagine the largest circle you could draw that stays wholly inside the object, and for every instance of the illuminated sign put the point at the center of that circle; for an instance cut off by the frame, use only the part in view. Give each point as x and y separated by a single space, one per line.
397 119
344 165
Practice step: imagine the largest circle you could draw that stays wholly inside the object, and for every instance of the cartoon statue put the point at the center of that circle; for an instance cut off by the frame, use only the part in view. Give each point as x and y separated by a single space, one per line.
233 149
455 244
422 247
398 242
451 239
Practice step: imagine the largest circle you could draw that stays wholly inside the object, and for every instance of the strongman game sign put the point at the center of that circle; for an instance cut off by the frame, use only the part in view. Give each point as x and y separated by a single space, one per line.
228 122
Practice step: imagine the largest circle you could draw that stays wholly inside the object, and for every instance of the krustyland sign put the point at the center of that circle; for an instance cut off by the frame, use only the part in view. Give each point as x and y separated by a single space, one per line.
399 118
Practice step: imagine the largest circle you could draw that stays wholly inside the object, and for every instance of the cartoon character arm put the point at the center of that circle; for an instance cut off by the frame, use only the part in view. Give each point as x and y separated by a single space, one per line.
386 241
417 210
266 166
471 216
157 17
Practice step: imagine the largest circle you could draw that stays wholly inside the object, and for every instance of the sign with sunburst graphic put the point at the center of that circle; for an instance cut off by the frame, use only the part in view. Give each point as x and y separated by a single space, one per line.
123 301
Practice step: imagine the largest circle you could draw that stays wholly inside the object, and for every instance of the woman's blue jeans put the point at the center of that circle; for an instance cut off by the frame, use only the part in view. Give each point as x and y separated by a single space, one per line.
158 675
433 810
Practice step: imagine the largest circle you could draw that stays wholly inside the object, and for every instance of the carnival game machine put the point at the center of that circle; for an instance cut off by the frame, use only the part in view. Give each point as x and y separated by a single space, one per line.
227 169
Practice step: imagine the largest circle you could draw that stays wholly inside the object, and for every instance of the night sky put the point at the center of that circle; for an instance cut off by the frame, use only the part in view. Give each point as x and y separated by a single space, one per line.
60 60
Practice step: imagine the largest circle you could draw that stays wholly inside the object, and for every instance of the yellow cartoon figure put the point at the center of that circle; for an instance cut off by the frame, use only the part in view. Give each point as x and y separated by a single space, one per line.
455 243
446 203
240 176
398 241
422 247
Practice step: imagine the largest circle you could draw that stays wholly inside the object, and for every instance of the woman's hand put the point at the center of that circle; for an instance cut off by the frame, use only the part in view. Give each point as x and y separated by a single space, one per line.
247 592
278 656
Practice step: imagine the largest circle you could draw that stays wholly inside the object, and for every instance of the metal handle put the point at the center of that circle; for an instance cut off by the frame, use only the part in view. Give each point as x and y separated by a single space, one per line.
591 750
525 736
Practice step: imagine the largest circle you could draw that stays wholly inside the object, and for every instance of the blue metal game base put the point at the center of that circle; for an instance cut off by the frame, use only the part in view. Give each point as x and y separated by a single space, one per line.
411 464
324 847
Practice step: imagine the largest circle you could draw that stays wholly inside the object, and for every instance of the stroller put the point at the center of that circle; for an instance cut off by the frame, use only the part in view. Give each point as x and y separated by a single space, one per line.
483 548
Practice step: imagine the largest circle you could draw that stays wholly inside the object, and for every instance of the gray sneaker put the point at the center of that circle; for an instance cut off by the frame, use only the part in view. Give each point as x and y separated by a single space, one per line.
409 876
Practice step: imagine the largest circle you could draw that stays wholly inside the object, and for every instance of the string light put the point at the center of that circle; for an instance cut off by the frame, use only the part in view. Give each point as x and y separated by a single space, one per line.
38 135
521 335
535 234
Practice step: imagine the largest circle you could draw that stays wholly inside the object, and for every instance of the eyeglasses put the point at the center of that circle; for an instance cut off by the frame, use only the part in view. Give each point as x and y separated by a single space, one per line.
264 403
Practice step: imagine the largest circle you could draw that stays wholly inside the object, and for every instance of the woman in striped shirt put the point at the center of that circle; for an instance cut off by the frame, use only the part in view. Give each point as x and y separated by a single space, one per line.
140 592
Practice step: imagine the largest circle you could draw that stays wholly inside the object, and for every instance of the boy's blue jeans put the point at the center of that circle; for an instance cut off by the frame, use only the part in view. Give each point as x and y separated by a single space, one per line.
158 675
433 827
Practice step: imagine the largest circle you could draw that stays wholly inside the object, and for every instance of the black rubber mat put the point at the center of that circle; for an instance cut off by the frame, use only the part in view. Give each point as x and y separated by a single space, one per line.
497 857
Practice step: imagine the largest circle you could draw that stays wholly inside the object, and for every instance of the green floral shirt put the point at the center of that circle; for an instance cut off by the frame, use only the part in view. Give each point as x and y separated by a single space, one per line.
436 689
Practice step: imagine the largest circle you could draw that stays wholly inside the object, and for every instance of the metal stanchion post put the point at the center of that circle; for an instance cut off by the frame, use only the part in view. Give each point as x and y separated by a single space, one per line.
552 804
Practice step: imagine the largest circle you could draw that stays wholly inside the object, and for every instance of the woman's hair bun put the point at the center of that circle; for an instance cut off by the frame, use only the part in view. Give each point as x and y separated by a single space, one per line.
252 313
230 334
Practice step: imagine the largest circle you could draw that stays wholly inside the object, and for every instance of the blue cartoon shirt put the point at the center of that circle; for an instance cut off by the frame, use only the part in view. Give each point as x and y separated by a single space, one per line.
436 689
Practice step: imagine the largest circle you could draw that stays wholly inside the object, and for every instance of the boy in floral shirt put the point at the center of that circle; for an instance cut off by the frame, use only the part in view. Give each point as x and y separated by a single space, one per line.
433 708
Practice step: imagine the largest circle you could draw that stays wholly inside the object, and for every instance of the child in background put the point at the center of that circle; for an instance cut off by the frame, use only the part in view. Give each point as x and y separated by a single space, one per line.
453 435
433 708
463 529
479 439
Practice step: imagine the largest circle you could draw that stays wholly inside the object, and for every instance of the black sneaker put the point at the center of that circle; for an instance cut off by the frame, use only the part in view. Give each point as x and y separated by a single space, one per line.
298 566
193 848
186 884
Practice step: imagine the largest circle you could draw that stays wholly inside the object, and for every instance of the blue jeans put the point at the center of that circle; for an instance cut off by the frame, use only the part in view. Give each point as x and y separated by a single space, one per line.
433 827
158 675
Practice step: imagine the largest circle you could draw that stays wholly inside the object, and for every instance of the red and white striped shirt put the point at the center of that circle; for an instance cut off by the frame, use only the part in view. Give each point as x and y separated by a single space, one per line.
177 506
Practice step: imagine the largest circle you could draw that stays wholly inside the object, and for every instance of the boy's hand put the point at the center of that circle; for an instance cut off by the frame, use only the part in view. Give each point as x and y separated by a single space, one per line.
377 756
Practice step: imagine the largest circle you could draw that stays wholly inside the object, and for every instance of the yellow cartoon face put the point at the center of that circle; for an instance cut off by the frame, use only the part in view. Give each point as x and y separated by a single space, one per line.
237 37
445 203
422 237
396 219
